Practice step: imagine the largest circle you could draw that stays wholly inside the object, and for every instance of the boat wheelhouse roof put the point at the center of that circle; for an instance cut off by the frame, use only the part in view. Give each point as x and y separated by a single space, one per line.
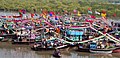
80 23
77 28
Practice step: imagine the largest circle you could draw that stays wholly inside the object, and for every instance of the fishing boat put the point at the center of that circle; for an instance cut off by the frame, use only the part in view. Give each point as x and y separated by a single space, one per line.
106 51
94 49
24 43
41 48
22 39
76 32
83 48
49 45
47 48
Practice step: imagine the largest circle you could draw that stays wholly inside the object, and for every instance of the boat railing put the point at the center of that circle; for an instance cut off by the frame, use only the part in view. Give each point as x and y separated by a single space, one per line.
109 36
97 38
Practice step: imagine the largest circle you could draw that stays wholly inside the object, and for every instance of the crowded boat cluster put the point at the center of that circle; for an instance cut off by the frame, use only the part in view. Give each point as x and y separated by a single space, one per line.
54 31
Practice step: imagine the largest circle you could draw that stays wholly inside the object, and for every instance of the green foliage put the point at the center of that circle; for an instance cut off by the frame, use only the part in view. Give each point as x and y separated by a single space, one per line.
60 5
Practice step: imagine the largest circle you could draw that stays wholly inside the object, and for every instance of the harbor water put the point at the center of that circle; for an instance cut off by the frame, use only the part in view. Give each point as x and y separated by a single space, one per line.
7 50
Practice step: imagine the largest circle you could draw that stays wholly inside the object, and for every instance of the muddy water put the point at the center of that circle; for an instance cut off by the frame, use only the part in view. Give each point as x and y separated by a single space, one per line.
7 50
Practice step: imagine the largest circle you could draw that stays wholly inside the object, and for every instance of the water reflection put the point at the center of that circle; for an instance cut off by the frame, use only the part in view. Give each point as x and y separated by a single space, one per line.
26 52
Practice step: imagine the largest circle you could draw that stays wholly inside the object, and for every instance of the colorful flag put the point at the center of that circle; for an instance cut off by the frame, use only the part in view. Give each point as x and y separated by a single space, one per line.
114 15
24 11
89 8
44 16
79 13
75 11
98 13
103 11
20 13
92 16
51 13
103 14
56 18
32 15
89 12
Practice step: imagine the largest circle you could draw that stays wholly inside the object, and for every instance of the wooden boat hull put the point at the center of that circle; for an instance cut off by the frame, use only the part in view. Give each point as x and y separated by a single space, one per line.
8 35
40 48
1 39
117 50
4 40
57 56
24 43
83 49
106 51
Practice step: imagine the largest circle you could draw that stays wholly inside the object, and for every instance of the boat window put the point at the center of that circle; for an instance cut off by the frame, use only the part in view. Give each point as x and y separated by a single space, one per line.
119 25
115 24
118 29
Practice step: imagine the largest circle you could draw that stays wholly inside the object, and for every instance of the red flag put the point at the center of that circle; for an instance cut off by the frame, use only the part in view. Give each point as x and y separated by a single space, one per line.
103 11
20 11
89 8
32 15
114 15
92 16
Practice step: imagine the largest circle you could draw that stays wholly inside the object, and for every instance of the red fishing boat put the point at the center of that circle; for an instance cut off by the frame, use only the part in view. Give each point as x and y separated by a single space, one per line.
117 50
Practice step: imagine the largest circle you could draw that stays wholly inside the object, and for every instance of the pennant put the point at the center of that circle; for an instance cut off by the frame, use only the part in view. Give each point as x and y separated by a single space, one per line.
24 11
50 14
114 15
97 13
92 16
75 11
103 11
79 13
56 18
89 8
103 14
20 11
89 12
32 15
44 16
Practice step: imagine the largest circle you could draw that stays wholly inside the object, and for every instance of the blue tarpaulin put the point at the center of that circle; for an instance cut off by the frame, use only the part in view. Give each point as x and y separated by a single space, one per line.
75 32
